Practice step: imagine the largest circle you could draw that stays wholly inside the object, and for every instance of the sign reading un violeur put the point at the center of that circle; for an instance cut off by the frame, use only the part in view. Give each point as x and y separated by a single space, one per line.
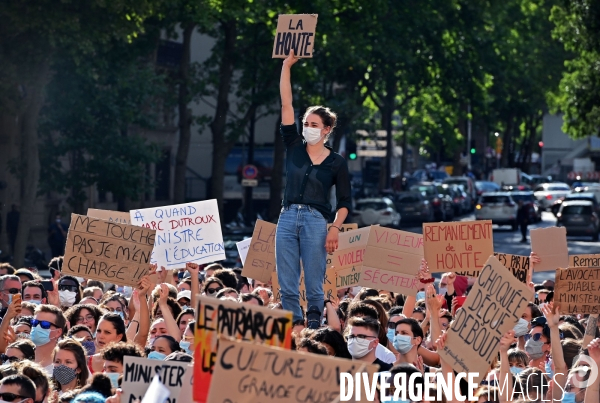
216 317
295 31
493 307
107 251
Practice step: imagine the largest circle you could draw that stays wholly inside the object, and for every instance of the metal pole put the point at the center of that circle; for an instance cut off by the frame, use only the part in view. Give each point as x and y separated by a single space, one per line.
469 137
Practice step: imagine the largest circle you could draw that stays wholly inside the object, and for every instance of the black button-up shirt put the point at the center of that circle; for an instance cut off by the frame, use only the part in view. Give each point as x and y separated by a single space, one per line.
311 184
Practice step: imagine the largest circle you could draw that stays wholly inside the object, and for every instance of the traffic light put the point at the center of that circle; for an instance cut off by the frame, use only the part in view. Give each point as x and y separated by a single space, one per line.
473 150
352 156
351 149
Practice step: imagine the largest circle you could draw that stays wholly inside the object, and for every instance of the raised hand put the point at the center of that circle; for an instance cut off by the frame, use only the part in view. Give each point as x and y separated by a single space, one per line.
193 268
143 286
291 59
594 350
506 341
163 294
551 316
432 300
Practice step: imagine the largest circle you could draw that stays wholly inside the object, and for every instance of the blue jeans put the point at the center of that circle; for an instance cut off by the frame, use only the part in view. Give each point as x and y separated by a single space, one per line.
301 233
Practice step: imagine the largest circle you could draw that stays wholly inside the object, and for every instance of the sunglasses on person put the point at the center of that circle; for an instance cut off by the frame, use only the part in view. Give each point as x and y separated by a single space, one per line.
13 290
214 290
11 397
67 287
44 324
4 358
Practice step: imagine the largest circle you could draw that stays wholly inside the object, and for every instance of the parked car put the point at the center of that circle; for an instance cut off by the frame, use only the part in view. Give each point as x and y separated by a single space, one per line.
548 193
441 203
579 218
413 206
498 207
535 213
576 196
455 195
486 187
376 211
468 185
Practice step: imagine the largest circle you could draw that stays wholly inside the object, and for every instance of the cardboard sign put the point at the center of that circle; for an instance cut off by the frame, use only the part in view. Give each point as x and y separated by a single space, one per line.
550 244
107 251
328 286
215 317
185 233
250 373
295 31
243 247
457 246
138 373
260 260
577 290
584 261
347 277
494 305
518 265
348 257
108 215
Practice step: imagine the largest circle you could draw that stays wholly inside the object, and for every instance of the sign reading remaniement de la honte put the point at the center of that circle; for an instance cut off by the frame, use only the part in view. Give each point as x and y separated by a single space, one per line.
107 251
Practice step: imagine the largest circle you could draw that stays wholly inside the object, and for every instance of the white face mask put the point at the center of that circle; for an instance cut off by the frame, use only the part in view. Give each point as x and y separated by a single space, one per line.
356 289
67 298
358 348
312 135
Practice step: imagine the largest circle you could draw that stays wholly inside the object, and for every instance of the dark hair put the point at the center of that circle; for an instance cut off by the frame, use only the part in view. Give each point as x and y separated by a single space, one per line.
60 320
116 351
570 331
572 320
369 323
89 291
192 326
247 297
78 351
179 356
26 347
312 346
227 277
414 327
36 373
189 311
56 263
383 320
95 283
212 280
78 292
171 303
8 267
213 266
535 310
26 385
571 348
77 329
224 291
117 322
408 369
25 272
73 312
334 339
37 284
328 117
362 309
114 296
532 385
173 344
367 292
100 384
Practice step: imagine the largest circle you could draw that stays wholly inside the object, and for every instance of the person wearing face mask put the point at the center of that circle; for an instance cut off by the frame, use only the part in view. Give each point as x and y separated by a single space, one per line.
57 236
407 340
70 370
312 170
363 339
162 346
48 327
537 342
113 357
34 292
69 291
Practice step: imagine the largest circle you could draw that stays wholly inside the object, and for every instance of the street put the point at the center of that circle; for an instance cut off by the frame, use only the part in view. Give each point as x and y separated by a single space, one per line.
507 241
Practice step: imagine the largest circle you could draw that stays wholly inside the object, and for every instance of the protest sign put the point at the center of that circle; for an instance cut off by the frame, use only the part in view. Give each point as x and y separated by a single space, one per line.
242 247
518 265
577 290
107 251
185 233
260 260
343 228
348 257
584 261
215 317
457 246
188 382
347 277
550 244
494 305
138 373
328 286
295 31
250 373
108 215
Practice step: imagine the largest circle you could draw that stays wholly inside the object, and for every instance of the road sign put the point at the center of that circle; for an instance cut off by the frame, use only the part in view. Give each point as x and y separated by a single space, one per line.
250 182
250 172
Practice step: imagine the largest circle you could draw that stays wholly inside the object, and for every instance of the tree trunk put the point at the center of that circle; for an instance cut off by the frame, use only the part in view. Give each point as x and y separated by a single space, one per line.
185 118
506 139
29 154
276 185
218 126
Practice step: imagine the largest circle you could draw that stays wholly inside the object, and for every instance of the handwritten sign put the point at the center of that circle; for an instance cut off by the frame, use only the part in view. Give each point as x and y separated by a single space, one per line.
138 373
189 232
108 215
260 260
577 290
518 265
215 317
348 257
295 31
107 251
550 244
457 246
250 373
328 286
584 261
493 307
343 228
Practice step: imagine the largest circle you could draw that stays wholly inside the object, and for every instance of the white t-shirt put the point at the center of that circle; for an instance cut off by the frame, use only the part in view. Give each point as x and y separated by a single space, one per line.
384 354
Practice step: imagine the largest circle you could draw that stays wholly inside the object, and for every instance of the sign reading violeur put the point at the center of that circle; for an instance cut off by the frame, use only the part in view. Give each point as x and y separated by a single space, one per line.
494 306
107 251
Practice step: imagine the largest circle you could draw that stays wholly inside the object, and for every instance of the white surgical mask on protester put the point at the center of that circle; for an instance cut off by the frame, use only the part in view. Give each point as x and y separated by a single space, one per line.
67 298
442 290
312 135
358 348
356 289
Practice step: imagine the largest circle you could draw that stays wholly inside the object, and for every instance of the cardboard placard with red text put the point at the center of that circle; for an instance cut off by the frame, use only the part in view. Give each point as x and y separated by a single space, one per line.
550 244
457 246
348 257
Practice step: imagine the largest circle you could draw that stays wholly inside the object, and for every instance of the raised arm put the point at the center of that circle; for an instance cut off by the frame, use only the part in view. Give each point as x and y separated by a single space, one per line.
193 269
144 287
170 322
285 88
560 366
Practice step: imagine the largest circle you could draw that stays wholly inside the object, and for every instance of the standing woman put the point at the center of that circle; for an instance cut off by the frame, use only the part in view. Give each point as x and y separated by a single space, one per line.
312 169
